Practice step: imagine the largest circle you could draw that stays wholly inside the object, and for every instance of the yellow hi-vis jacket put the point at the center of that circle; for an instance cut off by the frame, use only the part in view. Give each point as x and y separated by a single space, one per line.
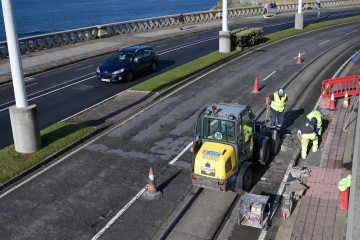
317 115
277 104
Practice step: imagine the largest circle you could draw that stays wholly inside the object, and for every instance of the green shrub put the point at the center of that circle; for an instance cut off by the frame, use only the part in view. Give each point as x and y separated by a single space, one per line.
246 37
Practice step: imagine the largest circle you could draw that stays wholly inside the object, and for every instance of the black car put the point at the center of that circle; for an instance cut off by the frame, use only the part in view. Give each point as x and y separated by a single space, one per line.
126 63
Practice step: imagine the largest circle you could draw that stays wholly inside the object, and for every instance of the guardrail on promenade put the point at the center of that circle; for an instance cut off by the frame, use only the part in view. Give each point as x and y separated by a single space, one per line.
58 39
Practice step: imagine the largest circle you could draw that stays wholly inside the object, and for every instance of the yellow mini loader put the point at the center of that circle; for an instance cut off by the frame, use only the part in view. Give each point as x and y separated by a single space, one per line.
227 144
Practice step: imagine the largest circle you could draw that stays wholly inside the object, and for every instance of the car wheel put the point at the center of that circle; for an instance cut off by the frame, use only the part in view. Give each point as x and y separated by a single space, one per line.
153 66
130 76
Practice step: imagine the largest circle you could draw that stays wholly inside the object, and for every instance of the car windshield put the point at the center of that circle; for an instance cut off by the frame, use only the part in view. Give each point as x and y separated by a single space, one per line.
122 57
221 130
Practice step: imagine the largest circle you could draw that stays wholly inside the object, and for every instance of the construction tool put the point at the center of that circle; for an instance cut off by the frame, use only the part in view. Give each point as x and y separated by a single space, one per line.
293 191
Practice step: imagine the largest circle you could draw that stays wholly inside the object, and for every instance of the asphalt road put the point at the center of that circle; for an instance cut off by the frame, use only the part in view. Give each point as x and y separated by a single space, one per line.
78 196
66 91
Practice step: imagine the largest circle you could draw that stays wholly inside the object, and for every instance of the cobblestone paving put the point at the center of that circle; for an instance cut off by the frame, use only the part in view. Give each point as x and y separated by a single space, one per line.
317 212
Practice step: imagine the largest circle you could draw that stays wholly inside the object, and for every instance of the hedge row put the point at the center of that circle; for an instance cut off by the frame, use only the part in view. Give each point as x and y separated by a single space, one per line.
246 37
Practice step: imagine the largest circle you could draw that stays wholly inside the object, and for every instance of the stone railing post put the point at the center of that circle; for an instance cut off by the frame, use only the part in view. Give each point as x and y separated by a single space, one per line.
38 42
102 32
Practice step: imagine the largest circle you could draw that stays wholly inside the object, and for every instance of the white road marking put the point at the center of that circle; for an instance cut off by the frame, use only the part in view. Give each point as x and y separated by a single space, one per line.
161 45
347 33
119 214
278 196
300 55
167 51
143 110
83 68
336 75
31 84
180 154
29 95
56 90
282 185
323 42
355 30
91 107
269 75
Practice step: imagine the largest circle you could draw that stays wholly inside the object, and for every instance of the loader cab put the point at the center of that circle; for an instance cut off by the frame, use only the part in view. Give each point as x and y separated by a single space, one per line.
225 147
246 134
226 124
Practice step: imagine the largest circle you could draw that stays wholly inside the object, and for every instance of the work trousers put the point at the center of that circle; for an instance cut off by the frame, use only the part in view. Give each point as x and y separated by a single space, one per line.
305 139
181 24
275 115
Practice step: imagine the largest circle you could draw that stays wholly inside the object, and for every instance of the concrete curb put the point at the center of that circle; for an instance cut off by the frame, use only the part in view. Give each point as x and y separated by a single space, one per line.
354 179
6 78
50 158
165 92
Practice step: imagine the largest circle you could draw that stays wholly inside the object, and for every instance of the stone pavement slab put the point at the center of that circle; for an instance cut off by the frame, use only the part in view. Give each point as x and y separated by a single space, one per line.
319 207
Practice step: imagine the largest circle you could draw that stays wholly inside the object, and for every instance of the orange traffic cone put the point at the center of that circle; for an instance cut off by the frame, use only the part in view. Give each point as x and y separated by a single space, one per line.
299 59
346 100
151 191
256 90
332 102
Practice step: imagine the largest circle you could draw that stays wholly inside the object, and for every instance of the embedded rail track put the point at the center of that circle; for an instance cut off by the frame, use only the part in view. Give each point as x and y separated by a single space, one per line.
226 214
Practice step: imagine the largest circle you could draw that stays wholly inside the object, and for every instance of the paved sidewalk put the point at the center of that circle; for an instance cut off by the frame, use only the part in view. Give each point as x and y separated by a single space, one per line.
37 62
41 61
319 215
318 211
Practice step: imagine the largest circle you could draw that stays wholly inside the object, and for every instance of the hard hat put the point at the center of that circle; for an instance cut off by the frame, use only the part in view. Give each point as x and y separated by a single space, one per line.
281 92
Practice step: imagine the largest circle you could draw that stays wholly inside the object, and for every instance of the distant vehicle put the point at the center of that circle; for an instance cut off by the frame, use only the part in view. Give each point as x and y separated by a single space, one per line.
126 63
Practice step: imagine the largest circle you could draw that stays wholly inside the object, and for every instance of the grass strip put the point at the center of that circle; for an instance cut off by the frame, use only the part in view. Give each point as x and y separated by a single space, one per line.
53 138
289 32
165 80
60 135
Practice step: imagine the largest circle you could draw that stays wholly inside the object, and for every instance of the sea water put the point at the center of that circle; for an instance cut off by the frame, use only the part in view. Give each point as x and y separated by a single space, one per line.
34 17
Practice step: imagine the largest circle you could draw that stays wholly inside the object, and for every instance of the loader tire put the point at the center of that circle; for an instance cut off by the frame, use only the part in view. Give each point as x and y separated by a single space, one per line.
244 178
264 154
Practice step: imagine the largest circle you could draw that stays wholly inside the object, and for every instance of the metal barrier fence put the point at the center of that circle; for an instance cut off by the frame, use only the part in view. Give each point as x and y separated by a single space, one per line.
338 86
58 39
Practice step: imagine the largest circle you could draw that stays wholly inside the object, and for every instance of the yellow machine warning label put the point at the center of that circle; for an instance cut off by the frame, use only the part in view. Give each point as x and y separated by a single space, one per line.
210 155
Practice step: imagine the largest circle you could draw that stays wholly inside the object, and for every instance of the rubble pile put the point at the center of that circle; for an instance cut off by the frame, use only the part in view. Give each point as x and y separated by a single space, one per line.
290 143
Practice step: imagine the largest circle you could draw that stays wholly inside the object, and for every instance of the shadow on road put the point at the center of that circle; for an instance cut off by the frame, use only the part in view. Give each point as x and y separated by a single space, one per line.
162 186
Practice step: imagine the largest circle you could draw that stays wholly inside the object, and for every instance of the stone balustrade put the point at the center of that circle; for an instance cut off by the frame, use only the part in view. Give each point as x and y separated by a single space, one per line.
58 39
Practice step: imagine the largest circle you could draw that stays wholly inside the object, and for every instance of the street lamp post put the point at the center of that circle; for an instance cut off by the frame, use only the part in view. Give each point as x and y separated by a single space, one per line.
24 119
224 35
299 17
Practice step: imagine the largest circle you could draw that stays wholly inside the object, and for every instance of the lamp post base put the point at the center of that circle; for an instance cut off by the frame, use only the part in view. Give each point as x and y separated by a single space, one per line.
224 41
25 129
299 21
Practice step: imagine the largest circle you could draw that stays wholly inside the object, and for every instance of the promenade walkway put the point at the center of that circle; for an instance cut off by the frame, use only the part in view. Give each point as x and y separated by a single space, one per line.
318 214
48 59
44 60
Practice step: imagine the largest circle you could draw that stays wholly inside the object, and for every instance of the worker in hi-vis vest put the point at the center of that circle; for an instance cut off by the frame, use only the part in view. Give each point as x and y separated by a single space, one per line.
278 102
318 116
305 134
